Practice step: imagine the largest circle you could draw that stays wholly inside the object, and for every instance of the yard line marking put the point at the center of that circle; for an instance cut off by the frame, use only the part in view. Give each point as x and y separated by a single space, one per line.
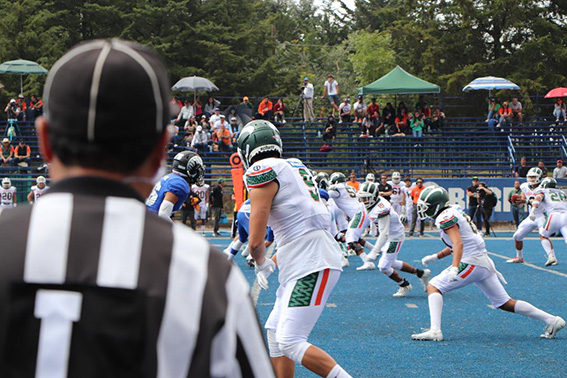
530 265
331 305
255 292
492 307
411 305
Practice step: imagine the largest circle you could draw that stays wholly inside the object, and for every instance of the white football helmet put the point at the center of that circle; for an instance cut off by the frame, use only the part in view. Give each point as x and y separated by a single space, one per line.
368 194
396 177
370 177
534 176
40 181
6 183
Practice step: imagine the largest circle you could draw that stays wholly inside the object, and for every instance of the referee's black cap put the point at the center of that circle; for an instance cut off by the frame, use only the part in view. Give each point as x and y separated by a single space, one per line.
107 90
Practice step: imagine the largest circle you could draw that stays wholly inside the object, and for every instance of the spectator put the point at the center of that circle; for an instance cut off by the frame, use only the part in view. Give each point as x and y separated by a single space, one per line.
359 109
352 181
224 138
331 87
518 203
385 189
414 193
505 114
493 122
559 110
421 103
185 113
379 127
189 129
475 210
215 118
308 94
7 152
401 123
401 106
425 114
219 124
437 119
344 111
211 106
12 110
516 107
373 108
198 108
389 115
416 124
37 106
522 169
246 102
191 124
279 109
205 124
368 129
265 109
22 153
200 140
560 171
217 204
176 101
234 129
541 165
493 109
174 133
330 132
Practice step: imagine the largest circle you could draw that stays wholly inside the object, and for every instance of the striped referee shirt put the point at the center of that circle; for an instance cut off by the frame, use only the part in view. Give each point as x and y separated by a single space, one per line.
94 285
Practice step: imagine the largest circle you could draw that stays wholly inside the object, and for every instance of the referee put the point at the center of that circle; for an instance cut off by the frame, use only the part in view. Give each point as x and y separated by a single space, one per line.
91 283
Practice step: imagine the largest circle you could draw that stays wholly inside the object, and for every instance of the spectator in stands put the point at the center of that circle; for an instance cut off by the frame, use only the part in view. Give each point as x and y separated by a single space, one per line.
368 129
331 87
190 124
437 118
200 140
205 123
308 94
217 204
517 203
493 122
541 165
6 152
475 209
522 169
265 109
373 108
22 154
378 123
279 109
176 101
198 108
493 109
344 111
211 106
389 115
37 106
246 102
220 123
401 124
359 109
174 133
185 113
421 103
352 181
330 132
213 119
560 172
12 110
188 138
401 106
224 138
505 115
416 124
414 193
559 109
234 129
425 114
516 107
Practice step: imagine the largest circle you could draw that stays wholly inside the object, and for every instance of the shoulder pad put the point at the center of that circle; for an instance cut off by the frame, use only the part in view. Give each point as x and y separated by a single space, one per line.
259 174
447 219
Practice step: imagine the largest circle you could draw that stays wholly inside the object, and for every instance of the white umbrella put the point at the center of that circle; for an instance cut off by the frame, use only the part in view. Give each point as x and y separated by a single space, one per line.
490 83
194 84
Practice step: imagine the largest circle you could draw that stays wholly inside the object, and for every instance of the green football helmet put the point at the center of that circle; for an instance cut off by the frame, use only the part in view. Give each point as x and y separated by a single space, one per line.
534 176
431 200
548 183
322 179
257 137
368 194
337 177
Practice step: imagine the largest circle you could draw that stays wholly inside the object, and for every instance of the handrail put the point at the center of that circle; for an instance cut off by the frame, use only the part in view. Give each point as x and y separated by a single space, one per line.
511 151
564 146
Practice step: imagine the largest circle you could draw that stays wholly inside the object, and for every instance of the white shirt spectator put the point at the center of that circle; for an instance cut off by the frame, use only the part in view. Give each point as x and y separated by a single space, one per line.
560 172
331 87
516 107
219 123
186 112
344 107
200 137
214 119
308 91
360 106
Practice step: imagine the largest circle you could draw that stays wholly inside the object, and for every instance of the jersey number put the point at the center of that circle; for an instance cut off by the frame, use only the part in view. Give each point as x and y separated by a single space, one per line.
308 180
350 190
558 197
471 223
7 196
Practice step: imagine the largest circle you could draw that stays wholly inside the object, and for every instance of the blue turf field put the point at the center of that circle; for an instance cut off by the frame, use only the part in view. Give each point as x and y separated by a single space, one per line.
368 332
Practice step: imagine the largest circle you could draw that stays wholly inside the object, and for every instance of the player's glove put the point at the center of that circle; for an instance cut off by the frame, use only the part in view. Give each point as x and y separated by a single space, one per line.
429 259
403 218
339 237
453 274
263 272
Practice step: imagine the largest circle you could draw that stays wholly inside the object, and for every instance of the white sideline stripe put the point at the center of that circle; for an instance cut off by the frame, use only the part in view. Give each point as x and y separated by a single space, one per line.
255 292
411 305
530 265
331 305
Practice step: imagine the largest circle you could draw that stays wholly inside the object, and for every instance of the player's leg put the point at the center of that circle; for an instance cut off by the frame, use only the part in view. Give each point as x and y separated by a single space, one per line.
355 229
523 230
283 366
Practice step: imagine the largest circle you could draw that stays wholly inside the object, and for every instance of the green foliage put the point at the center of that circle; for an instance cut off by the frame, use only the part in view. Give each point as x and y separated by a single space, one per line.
372 55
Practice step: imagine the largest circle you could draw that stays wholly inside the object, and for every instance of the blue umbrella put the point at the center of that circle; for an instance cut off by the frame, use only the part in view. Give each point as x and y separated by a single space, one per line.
490 83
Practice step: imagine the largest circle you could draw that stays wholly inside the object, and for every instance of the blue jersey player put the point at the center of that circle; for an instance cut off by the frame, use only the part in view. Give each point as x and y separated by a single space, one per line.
172 190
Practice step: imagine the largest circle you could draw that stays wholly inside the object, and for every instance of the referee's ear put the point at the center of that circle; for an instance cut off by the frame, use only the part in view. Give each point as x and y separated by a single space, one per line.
41 127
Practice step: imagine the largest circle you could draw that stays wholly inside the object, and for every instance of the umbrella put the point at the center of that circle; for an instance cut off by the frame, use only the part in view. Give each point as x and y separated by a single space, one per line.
194 84
489 83
22 67
557 92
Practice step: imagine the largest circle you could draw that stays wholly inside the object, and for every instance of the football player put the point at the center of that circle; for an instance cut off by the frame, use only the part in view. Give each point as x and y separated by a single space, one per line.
406 189
282 192
8 194
390 241
345 197
528 189
169 194
203 205
553 202
37 190
398 199
470 264
370 177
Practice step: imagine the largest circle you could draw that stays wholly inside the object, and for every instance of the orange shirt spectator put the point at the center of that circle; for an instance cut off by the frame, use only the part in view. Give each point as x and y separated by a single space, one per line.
265 106
505 110
224 135
415 192
352 181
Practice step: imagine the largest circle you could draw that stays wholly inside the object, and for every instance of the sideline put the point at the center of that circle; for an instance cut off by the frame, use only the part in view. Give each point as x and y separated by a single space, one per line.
530 265
255 291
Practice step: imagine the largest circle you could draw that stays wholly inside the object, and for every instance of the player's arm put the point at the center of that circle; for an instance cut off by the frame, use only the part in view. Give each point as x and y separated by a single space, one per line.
455 236
166 207
384 230
30 196
535 205
436 256
260 206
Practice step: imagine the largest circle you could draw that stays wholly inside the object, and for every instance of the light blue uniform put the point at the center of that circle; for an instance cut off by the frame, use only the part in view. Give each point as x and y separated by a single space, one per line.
172 183
243 218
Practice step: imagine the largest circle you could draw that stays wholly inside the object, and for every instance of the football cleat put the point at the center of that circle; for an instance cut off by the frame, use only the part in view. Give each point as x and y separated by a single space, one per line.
245 252
551 261
515 260
368 265
428 336
351 252
345 262
425 278
551 329
402 291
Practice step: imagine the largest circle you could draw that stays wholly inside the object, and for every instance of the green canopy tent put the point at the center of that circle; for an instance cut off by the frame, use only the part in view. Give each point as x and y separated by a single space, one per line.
22 67
399 81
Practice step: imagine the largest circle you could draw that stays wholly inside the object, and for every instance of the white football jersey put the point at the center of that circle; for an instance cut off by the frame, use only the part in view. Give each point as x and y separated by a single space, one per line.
554 201
7 197
345 197
473 243
338 215
37 192
201 191
528 192
384 208
407 193
397 191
